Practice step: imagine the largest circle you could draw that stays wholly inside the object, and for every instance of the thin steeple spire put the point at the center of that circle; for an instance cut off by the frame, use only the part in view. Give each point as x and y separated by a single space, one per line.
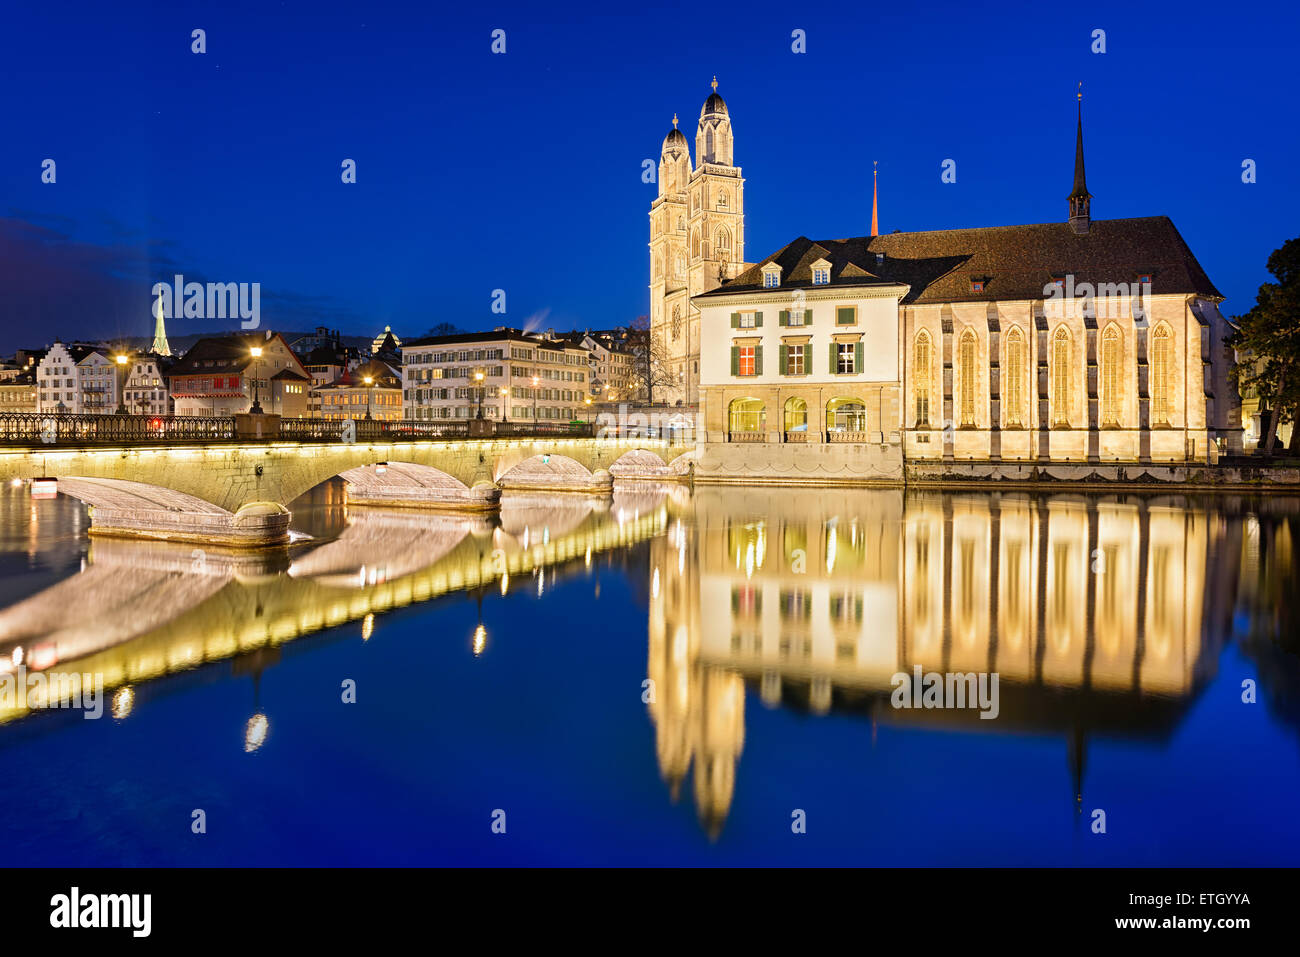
875 223
1080 199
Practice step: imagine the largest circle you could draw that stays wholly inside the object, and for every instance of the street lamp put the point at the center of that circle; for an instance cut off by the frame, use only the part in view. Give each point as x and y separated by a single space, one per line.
369 381
120 378
504 392
478 379
256 353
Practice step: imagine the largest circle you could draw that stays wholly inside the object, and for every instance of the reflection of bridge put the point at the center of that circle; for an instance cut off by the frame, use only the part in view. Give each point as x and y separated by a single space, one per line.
236 493
1100 615
144 610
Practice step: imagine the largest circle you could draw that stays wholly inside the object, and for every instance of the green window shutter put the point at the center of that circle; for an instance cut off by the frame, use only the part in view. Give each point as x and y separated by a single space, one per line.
834 367
844 316
857 358
807 315
735 320
758 320
783 317
758 360
807 359
783 361
735 360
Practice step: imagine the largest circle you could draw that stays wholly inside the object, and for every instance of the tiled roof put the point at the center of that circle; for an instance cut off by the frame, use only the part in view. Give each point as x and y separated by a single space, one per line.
500 335
1014 262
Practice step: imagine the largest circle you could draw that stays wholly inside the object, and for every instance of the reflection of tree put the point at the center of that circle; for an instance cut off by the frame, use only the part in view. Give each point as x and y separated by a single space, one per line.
1271 635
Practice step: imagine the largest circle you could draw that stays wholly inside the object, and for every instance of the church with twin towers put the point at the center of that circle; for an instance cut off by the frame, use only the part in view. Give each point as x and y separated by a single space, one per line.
697 241
1078 341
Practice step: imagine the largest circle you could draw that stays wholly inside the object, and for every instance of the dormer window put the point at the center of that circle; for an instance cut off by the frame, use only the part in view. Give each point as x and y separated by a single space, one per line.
771 276
977 285
1144 279
821 272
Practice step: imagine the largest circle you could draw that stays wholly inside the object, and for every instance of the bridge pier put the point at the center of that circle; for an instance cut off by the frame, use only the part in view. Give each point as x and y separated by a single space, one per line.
482 497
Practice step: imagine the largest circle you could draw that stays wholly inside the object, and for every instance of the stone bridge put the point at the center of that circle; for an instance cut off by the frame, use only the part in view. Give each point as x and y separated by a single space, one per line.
237 493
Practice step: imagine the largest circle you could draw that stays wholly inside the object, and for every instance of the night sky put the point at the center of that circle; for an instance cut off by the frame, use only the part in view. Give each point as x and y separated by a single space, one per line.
522 171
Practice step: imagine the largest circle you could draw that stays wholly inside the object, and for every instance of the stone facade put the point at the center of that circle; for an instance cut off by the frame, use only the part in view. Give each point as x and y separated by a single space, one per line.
697 241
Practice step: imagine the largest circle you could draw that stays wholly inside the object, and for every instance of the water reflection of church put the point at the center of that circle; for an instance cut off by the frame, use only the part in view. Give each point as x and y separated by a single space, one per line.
1097 613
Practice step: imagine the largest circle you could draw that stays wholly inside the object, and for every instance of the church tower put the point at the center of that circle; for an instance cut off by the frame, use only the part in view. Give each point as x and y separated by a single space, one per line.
1080 198
697 241
160 346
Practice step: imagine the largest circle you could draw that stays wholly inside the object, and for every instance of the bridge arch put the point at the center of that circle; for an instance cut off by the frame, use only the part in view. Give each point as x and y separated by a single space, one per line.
550 470
141 510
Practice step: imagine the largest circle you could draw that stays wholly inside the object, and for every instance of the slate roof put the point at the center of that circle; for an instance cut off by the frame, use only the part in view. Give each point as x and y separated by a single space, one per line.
1015 262
497 335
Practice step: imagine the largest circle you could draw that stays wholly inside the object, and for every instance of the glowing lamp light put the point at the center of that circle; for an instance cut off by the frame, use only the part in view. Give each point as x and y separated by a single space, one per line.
121 359
256 352
123 702
480 640
255 732
368 626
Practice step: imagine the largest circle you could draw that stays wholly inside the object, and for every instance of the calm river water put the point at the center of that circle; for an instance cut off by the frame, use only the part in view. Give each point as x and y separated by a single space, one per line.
673 678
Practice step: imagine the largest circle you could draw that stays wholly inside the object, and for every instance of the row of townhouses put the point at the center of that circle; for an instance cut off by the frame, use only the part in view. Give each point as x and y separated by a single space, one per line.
505 374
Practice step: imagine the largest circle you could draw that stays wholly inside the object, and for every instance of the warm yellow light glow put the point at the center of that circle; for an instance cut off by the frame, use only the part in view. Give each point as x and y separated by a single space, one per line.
368 626
369 380
121 360
256 352
478 377
480 640
255 732
123 701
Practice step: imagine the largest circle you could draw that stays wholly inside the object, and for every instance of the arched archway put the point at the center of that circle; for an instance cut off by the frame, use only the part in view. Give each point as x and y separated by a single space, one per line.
794 417
746 419
846 415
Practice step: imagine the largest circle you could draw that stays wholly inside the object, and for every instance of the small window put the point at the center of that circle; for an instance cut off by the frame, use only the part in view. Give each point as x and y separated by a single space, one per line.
747 320
1145 279
771 280
977 285
821 276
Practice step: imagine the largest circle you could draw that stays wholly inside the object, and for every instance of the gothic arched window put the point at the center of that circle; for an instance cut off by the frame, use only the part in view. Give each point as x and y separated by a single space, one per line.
659 265
679 267
722 199
695 243
722 241
677 323
966 387
921 372
1162 392
1062 362
1112 353
681 224
1015 386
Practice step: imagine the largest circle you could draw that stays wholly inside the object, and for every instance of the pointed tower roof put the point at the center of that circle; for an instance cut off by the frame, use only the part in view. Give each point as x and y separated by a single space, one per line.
160 346
875 224
1080 180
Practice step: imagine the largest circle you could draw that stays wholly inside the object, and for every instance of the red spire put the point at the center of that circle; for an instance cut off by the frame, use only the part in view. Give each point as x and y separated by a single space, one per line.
875 226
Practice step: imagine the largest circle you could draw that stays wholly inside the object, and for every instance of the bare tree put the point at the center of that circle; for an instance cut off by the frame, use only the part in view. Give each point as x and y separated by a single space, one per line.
651 368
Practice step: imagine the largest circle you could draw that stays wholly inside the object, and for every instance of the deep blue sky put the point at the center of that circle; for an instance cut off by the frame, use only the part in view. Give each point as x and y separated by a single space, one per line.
523 171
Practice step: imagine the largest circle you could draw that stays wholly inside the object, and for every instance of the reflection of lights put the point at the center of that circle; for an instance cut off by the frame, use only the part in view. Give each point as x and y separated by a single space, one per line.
830 550
255 732
123 701
749 560
368 626
44 656
505 582
16 483
654 584
18 656
587 558
541 583
480 640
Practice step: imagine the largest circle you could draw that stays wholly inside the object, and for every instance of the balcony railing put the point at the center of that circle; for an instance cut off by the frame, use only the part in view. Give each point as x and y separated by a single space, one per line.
63 429
49 428
747 436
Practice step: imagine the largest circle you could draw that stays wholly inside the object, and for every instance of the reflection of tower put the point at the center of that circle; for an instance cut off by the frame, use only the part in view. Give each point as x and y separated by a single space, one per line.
698 711
160 346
